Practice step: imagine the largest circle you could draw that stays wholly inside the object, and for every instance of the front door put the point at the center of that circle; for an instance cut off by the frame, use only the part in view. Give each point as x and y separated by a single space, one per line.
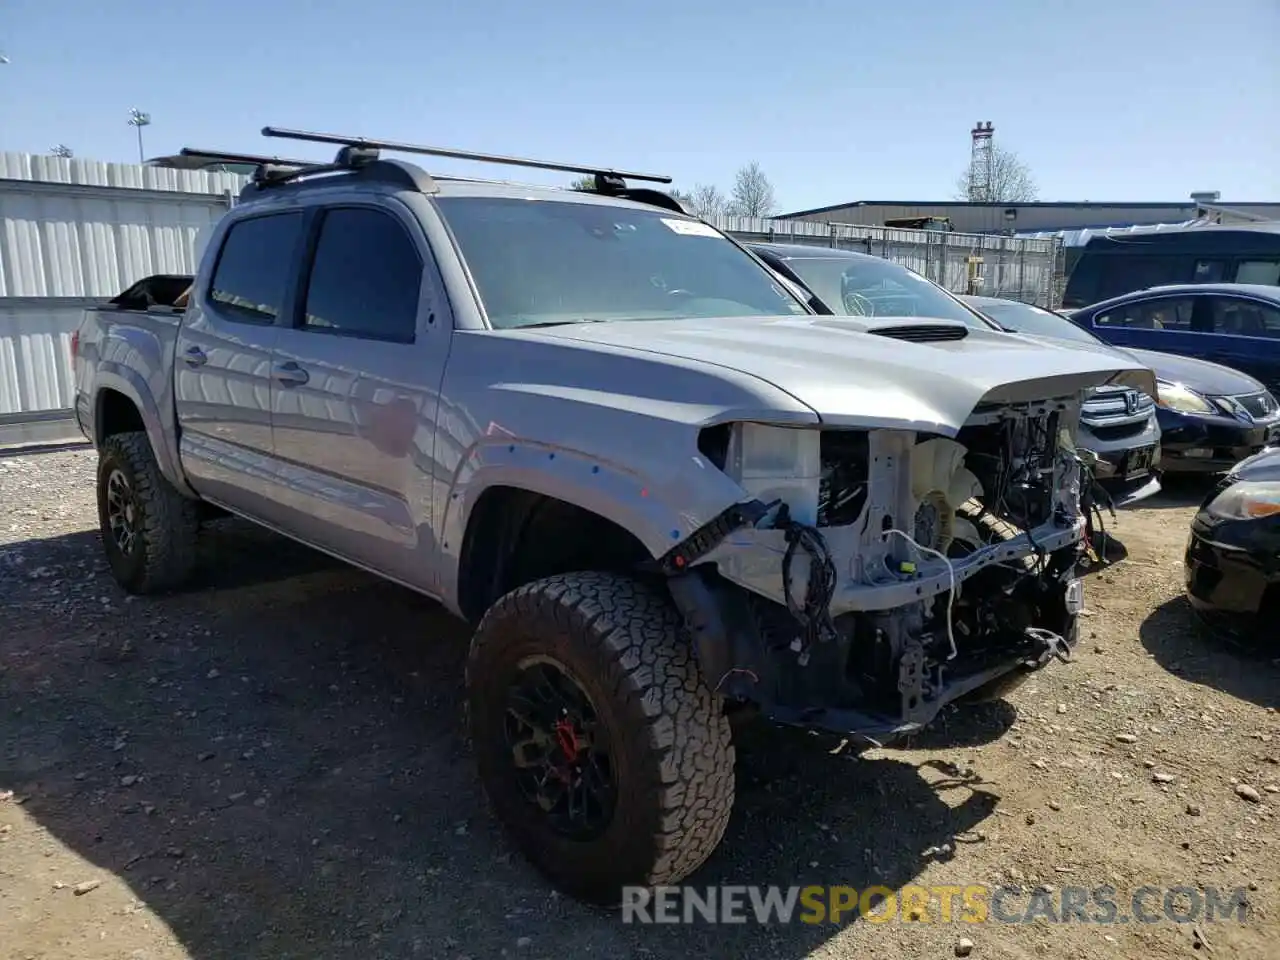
357 375
222 376
1246 336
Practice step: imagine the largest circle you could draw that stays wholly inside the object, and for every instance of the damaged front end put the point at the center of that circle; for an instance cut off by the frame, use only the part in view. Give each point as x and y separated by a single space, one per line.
871 577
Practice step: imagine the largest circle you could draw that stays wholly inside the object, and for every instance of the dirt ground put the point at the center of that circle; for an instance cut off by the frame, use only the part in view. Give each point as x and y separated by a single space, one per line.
271 765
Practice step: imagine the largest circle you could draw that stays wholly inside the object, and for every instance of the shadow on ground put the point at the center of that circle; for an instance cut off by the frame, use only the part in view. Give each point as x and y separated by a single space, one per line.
1184 646
964 725
273 761
1178 491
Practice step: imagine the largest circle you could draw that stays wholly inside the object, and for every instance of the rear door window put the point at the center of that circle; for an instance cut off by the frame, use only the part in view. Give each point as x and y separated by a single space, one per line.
1239 317
254 268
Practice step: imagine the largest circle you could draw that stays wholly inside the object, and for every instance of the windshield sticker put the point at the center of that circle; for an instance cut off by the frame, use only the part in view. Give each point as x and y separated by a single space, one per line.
690 228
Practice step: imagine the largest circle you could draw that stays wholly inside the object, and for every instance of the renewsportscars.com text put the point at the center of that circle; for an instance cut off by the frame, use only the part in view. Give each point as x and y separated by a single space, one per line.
974 903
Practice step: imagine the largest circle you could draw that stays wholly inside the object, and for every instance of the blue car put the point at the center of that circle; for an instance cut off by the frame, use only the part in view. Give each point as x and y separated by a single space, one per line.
1218 366
1234 324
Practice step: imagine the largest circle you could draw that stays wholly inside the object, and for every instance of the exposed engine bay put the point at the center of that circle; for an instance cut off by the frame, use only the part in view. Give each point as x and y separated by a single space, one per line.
872 576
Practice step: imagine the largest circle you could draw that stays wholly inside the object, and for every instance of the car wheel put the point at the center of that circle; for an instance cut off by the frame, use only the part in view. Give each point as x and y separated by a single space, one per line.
149 529
603 751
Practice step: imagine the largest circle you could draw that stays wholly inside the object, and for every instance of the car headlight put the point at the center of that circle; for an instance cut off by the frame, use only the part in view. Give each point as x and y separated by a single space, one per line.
1246 500
1180 399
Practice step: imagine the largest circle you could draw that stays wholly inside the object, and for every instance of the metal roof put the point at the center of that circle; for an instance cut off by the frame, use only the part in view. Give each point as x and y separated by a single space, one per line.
1079 237
1029 205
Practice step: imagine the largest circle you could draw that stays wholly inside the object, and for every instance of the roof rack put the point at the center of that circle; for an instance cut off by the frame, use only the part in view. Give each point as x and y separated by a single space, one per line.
364 143
361 157
363 151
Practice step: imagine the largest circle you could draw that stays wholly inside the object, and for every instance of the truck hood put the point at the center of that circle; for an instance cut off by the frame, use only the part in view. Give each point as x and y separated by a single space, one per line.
862 372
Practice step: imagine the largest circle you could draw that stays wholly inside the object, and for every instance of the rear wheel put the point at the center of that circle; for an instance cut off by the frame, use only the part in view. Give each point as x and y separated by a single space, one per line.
149 529
603 752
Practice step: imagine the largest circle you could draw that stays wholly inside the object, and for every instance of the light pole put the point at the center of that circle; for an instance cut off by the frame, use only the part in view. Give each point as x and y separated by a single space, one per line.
139 119
61 150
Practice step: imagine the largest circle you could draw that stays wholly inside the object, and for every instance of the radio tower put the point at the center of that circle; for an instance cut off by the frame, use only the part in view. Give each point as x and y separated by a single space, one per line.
982 164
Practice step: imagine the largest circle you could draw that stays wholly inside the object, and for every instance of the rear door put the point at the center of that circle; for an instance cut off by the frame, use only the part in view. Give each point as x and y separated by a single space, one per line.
1246 336
222 375
357 374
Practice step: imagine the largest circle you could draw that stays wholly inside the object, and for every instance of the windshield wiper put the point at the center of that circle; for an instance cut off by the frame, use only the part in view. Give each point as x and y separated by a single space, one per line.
556 323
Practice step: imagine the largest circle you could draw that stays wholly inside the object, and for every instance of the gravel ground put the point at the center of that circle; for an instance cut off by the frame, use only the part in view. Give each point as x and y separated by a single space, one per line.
271 765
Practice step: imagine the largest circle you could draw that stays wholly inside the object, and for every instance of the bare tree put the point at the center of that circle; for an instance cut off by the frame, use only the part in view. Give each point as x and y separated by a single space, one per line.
1011 180
752 194
706 201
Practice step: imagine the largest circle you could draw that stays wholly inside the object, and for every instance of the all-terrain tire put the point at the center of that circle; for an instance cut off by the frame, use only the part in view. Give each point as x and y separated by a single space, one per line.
166 523
622 642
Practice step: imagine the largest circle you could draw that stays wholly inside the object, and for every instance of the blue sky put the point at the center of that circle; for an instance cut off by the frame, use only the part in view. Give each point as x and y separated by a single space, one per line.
1103 99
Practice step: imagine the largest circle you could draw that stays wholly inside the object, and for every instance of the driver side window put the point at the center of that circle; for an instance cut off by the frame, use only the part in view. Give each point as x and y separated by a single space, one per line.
1245 318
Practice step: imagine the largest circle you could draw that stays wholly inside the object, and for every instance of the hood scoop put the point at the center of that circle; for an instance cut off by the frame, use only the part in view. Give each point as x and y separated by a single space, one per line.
921 332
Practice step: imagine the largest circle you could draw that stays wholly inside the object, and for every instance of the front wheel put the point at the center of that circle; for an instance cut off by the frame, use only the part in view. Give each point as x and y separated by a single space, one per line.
603 751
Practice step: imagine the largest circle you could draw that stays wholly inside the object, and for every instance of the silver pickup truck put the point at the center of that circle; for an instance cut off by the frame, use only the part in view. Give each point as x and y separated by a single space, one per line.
662 488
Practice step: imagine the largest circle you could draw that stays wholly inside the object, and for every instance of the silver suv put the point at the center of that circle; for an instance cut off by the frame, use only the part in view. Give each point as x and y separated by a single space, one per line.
662 489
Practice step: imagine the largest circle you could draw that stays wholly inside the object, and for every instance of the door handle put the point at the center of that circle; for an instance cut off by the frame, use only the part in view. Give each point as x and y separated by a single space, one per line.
290 374
195 357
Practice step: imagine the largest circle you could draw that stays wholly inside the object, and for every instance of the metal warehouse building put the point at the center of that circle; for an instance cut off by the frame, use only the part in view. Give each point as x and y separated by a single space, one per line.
1040 217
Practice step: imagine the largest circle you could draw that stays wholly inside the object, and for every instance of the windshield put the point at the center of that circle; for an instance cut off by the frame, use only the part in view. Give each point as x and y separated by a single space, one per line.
542 262
1035 321
871 287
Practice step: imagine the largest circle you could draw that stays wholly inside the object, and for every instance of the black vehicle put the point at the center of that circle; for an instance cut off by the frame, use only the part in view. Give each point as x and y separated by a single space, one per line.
1233 557
1113 265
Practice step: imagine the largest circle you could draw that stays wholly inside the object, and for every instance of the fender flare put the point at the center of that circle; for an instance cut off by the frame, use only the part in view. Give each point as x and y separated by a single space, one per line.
127 382
605 489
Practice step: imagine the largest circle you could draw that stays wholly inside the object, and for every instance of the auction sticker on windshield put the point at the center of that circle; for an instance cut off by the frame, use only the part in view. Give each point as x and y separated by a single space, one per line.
690 228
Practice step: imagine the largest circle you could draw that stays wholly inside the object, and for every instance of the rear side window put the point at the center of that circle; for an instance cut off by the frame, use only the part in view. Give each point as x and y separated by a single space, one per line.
1167 313
1245 318
1266 272
1125 273
253 270
366 277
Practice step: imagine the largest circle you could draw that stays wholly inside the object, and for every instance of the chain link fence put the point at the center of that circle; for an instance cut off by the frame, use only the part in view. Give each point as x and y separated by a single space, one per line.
995 266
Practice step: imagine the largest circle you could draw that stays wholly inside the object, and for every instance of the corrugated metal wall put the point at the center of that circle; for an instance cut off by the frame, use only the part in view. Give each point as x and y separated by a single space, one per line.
1018 268
73 232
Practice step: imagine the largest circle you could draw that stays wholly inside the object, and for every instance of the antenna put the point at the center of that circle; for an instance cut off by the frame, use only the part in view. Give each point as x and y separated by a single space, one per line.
368 144
982 163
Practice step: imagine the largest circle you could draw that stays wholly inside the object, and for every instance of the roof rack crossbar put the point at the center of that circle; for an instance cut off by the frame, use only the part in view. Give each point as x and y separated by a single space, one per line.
222 156
367 143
